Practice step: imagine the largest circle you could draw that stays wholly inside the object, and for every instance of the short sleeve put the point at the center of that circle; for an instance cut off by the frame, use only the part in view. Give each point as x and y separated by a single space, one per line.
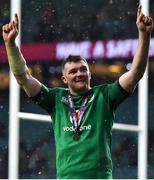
45 98
115 94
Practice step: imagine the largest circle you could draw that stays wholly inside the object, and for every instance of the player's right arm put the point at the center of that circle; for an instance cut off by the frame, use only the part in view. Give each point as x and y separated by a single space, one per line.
16 61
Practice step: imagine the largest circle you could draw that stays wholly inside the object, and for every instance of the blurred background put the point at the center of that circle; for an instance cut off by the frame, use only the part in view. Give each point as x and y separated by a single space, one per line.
99 30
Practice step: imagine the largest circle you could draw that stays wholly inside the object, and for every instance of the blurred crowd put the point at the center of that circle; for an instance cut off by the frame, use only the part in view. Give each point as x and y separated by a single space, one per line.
85 20
38 161
107 20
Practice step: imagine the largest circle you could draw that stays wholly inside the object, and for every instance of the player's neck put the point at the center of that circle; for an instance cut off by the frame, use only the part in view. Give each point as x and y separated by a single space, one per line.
80 93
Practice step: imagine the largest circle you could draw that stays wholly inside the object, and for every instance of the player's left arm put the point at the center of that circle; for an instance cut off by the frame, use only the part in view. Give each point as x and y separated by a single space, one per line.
129 80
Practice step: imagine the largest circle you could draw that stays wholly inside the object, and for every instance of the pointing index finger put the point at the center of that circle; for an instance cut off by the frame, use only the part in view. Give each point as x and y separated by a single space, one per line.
139 11
17 20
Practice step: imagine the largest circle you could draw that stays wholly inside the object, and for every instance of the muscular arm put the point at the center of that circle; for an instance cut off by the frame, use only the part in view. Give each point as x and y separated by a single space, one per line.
17 62
30 85
129 80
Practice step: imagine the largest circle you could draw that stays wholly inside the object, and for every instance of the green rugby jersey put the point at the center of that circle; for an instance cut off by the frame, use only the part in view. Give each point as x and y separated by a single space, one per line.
90 156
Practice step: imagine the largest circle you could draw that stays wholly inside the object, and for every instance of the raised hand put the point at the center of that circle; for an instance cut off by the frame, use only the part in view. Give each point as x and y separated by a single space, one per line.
10 31
144 23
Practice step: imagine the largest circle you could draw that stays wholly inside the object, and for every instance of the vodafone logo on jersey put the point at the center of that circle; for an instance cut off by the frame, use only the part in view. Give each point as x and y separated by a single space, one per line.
82 128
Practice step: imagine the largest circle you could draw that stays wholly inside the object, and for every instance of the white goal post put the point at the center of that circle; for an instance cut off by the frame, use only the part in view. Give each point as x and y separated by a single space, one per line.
15 116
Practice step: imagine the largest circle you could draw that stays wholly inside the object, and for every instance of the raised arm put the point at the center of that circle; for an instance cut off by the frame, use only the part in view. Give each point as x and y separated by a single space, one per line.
130 79
17 62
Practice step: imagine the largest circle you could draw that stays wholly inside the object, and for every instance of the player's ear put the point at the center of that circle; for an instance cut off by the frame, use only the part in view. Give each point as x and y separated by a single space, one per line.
64 80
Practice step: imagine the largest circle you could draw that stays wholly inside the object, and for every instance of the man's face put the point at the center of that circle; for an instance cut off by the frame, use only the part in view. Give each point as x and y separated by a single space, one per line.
77 76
